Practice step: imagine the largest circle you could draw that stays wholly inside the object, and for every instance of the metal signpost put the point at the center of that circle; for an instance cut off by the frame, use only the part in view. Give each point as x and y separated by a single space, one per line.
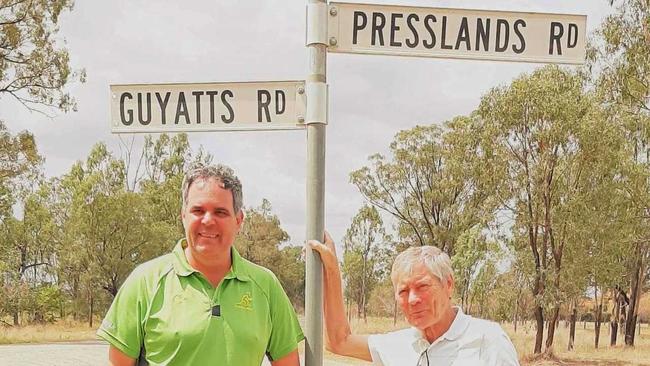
285 105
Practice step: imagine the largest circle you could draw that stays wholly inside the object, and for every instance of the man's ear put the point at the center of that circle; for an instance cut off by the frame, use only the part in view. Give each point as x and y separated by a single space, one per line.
240 218
450 285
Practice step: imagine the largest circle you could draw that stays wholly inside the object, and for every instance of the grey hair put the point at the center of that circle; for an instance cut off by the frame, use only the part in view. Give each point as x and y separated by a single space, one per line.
220 172
434 259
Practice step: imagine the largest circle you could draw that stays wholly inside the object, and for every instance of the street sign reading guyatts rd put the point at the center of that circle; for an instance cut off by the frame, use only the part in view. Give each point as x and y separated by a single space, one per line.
456 33
278 105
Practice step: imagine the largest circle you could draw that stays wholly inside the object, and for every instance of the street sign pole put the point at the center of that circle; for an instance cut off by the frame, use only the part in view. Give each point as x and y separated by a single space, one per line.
316 121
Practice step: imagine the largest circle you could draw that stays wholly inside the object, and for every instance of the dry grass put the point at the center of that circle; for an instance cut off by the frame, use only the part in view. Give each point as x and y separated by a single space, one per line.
583 354
61 331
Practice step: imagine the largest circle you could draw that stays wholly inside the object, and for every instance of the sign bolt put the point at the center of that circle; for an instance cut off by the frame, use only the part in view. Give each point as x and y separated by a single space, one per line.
333 11
333 41
301 90
301 119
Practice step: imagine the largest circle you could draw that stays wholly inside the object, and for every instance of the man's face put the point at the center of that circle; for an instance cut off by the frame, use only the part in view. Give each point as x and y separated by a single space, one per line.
209 219
423 298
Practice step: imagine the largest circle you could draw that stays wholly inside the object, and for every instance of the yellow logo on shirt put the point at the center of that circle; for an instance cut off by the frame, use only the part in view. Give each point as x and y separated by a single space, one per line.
246 302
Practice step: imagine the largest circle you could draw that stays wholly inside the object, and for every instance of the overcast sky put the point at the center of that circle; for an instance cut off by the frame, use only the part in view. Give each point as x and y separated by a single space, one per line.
371 97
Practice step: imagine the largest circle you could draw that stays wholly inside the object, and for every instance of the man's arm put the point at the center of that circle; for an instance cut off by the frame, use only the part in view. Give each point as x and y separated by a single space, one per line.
340 339
118 358
291 359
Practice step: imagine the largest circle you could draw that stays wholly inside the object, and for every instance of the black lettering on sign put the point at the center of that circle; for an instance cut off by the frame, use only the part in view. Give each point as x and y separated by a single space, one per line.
522 40
427 20
573 33
378 23
280 99
129 121
503 28
181 109
360 22
263 101
409 23
224 94
140 107
198 94
463 35
443 45
556 34
212 94
394 28
483 33
163 105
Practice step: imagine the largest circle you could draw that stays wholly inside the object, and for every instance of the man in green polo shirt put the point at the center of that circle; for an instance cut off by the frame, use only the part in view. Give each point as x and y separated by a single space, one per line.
203 304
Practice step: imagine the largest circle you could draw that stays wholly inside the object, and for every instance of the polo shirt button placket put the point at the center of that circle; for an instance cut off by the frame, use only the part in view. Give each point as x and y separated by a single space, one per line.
216 303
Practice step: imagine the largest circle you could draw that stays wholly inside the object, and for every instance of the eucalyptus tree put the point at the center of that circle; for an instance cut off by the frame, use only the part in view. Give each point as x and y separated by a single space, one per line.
549 143
429 184
34 66
108 230
19 158
262 240
365 256
622 64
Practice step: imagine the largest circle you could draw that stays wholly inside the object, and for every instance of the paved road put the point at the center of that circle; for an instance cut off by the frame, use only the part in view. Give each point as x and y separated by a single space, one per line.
90 353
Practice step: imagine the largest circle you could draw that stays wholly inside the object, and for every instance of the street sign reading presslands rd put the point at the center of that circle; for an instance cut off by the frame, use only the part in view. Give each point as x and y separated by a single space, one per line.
278 105
456 33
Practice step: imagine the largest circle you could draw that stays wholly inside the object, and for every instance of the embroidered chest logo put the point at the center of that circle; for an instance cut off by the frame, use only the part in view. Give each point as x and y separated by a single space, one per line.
246 302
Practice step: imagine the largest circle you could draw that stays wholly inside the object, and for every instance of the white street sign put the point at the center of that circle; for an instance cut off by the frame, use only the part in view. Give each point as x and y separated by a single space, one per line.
456 33
277 105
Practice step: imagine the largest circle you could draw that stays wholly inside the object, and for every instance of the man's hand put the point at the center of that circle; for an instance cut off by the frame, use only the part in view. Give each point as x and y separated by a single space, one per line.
327 252
340 339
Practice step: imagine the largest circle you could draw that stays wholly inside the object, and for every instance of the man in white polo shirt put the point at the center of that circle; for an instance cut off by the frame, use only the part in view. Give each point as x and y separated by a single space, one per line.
441 334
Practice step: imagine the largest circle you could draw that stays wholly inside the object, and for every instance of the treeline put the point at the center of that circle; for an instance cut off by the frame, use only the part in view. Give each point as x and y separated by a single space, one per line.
541 195
68 243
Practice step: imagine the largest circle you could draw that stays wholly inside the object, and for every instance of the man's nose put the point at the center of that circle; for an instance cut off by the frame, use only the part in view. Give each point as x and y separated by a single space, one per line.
208 217
413 298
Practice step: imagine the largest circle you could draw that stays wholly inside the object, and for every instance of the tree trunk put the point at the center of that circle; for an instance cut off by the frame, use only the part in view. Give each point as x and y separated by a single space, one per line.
395 312
613 323
539 336
552 326
572 328
516 313
362 311
91 303
599 315
16 320
635 294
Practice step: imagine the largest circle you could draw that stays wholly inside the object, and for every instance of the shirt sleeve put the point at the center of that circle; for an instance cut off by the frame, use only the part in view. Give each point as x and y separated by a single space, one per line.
374 345
122 325
501 350
285 329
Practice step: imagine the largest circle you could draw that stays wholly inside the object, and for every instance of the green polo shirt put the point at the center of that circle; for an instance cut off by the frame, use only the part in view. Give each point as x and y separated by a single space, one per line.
165 313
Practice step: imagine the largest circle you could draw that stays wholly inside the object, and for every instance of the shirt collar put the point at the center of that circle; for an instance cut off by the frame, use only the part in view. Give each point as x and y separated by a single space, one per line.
183 268
457 328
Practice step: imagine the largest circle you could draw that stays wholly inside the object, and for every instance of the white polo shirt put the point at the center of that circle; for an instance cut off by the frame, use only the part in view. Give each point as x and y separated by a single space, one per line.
468 342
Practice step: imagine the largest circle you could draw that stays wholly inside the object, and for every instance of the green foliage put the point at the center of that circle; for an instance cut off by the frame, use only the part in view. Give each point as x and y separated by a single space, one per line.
18 158
426 186
366 257
33 68
262 241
